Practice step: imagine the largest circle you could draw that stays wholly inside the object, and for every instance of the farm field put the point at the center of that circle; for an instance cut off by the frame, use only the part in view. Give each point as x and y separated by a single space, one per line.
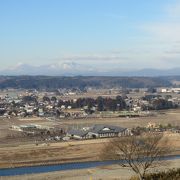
25 151
163 117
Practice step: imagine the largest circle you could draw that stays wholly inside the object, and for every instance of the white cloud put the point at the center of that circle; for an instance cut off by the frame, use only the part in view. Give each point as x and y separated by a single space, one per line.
165 35
95 57
167 32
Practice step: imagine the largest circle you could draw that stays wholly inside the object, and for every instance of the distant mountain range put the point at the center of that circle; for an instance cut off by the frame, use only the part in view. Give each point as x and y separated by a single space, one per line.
63 69
75 69
155 72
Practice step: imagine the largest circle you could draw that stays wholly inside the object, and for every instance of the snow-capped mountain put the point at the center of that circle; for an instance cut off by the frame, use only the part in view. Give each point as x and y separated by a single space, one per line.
75 69
65 69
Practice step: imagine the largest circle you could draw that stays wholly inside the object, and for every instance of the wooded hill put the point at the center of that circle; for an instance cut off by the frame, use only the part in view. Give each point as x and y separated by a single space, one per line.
81 82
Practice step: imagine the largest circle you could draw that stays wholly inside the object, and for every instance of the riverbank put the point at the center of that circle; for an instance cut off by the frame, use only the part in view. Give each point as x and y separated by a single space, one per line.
67 166
63 152
110 172
52 153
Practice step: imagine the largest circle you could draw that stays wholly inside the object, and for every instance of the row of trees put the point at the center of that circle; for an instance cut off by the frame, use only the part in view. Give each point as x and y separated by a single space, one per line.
156 102
102 104
52 83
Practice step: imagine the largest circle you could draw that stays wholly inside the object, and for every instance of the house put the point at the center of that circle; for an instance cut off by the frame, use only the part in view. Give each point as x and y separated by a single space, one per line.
63 107
77 134
99 131
69 107
41 112
164 90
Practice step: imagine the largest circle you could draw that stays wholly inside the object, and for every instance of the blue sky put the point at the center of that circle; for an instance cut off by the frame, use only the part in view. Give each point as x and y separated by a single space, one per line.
108 34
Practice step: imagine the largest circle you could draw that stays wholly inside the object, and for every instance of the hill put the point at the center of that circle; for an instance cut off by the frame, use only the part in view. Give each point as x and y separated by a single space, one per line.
81 82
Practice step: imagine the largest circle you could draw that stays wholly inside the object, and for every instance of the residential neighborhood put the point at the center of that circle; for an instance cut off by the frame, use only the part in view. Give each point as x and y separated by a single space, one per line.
70 105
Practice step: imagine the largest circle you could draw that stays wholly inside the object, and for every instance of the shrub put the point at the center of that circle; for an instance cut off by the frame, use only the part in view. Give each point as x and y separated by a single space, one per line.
172 174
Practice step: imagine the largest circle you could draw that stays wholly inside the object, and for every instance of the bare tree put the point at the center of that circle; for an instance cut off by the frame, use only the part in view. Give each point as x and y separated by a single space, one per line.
140 153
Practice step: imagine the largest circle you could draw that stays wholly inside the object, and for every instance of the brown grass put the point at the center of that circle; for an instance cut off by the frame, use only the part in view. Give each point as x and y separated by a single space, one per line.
87 150
16 153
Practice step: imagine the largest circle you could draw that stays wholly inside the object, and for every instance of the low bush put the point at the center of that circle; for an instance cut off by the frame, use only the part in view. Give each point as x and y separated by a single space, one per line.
172 174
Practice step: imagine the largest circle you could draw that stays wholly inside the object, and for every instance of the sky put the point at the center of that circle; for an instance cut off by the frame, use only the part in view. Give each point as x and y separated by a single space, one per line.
102 34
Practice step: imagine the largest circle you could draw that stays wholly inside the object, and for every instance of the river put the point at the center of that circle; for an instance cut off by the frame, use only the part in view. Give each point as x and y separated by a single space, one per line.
65 166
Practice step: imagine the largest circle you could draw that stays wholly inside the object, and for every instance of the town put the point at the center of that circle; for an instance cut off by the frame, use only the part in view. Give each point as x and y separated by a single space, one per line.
55 110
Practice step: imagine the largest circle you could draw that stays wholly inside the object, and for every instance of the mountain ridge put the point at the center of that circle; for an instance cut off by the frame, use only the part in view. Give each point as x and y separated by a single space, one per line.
75 69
